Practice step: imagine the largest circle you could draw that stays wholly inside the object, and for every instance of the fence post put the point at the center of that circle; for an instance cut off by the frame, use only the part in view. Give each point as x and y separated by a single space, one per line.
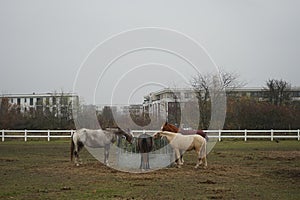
245 135
48 135
25 135
272 134
298 134
219 135
3 135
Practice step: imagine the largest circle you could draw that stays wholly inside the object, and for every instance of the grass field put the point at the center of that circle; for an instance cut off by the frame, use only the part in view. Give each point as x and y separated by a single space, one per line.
236 170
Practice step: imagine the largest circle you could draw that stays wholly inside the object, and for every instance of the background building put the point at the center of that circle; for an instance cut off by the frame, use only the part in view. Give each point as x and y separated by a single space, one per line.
161 102
51 102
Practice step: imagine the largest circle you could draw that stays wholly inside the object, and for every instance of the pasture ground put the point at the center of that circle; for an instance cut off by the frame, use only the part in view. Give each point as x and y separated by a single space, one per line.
255 169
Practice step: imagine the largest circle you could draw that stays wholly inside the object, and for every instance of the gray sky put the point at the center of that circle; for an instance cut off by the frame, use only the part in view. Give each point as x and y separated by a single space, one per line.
43 43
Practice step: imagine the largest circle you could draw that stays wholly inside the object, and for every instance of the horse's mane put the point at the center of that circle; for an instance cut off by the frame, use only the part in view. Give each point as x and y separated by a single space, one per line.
167 133
167 127
170 127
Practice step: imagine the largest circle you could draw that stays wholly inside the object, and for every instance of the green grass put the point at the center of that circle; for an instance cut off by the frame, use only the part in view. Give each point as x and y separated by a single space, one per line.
236 170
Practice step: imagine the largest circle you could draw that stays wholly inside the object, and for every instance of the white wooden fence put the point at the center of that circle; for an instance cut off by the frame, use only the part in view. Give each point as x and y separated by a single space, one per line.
35 134
220 134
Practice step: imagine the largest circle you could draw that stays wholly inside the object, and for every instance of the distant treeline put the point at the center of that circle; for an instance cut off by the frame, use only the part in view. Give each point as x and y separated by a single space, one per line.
247 113
242 113
277 110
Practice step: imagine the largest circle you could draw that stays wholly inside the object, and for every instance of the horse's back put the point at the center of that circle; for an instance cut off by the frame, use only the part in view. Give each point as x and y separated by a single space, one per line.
193 132
188 132
182 142
197 142
95 138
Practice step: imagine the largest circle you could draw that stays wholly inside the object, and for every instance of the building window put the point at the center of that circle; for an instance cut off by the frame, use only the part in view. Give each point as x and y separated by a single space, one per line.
39 101
187 95
18 101
47 101
31 101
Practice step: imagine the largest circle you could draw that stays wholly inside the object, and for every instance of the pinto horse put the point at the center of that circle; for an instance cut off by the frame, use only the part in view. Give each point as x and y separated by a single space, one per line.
144 146
95 139
170 127
185 143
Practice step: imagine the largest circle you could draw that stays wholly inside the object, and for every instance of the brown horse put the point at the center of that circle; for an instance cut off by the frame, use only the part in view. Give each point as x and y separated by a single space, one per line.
145 145
172 128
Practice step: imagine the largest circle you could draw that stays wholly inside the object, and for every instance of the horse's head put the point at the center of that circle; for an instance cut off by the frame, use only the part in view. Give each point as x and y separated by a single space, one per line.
157 135
163 126
169 127
81 135
128 136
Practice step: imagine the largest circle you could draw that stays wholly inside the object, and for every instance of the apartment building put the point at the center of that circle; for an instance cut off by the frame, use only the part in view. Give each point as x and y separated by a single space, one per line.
52 102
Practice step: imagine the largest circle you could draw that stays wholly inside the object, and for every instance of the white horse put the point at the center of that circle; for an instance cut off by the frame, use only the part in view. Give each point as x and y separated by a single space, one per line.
186 143
95 139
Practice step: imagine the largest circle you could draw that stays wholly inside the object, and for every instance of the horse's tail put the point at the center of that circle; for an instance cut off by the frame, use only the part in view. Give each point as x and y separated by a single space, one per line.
203 134
72 147
206 137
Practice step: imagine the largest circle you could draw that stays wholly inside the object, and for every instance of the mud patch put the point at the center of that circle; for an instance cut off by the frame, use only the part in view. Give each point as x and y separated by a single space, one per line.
287 173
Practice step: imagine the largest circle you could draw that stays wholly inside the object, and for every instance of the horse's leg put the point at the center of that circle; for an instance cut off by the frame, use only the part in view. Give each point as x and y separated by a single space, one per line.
181 156
203 153
76 153
144 160
141 165
106 154
202 156
147 163
76 158
199 160
177 157
205 162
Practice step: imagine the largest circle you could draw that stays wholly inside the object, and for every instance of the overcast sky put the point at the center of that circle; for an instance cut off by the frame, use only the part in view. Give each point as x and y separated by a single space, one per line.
44 43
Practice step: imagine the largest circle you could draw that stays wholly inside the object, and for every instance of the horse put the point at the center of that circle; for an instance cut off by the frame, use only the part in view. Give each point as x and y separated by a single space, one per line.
144 146
170 127
95 139
186 143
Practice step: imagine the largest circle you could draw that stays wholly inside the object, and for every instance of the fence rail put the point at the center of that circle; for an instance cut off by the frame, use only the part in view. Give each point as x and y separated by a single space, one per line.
220 134
48 134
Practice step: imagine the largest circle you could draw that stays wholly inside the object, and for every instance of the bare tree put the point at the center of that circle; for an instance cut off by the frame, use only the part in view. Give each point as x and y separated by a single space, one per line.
210 90
278 91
